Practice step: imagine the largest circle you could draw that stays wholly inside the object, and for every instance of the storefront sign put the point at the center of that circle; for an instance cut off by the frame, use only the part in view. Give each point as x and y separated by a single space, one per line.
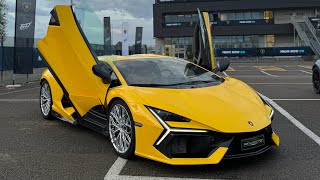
255 52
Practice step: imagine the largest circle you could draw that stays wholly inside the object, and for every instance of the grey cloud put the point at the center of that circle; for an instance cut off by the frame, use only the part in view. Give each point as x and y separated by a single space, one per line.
137 8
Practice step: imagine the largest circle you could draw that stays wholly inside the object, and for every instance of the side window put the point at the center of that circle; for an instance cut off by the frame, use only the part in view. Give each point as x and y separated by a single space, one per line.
54 21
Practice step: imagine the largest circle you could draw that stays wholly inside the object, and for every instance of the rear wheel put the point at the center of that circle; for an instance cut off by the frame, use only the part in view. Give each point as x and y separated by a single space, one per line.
316 80
121 129
46 100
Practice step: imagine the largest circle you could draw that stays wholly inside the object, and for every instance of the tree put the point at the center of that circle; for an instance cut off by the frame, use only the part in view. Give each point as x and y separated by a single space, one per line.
3 28
3 20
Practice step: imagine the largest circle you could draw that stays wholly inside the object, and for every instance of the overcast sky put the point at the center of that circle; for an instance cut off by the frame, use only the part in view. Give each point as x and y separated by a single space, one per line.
135 12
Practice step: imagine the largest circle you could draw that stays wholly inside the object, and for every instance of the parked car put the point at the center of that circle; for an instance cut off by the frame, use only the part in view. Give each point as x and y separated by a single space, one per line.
316 77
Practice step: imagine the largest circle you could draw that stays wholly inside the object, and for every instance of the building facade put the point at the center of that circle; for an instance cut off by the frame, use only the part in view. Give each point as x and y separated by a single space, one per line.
236 24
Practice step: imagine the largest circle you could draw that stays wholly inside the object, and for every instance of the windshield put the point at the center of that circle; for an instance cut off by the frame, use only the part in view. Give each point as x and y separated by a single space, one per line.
164 72
93 29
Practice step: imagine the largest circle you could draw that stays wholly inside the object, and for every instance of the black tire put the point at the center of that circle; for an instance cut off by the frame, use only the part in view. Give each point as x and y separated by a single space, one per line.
129 153
316 80
46 115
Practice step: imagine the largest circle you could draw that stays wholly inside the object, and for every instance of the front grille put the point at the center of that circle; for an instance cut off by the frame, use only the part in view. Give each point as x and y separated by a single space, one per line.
197 145
235 149
191 145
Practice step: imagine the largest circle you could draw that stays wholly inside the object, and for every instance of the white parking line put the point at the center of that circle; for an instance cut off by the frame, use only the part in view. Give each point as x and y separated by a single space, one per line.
268 74
147 178
299 125
262 76
306 72
19 100
296 99
19 91
116 167
225 74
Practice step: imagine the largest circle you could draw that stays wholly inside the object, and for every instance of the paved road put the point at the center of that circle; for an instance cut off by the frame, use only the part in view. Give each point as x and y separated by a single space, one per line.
32 148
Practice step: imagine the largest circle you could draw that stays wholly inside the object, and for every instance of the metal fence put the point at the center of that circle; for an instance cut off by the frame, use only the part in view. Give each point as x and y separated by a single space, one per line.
7 66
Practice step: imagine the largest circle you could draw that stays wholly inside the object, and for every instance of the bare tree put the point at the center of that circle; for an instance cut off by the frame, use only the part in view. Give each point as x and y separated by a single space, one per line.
3 28
3 20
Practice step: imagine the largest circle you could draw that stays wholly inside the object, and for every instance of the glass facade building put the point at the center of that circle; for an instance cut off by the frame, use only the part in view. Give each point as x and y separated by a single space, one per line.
235 24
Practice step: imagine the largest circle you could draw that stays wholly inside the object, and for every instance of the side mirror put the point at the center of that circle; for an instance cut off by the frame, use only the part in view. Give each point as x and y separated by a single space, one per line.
103 71
222 66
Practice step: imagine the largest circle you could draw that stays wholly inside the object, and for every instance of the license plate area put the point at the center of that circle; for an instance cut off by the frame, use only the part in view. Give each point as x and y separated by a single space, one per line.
251 143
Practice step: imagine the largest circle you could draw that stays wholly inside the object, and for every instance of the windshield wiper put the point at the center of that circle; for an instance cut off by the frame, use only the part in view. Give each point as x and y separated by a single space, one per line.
175 84
197 82
152 85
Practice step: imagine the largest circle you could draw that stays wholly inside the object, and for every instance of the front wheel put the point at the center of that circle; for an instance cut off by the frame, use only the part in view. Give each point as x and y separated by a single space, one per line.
46 100
316 80
121 129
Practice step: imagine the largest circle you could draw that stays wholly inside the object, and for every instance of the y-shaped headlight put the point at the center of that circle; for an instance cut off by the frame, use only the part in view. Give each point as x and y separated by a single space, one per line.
272 111
160 114
168 116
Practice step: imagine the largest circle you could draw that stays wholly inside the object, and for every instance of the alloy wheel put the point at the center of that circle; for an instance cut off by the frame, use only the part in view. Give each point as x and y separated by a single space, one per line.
45 99
120 128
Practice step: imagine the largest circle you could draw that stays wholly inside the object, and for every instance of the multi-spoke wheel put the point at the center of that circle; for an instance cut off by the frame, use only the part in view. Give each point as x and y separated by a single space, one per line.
121 129
45 100
316 80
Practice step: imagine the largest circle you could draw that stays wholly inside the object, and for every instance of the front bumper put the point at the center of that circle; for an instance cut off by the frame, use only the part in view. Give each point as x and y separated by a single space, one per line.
211 147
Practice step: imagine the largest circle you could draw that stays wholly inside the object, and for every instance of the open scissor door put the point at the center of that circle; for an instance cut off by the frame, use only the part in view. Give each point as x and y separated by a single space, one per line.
68 56
203 54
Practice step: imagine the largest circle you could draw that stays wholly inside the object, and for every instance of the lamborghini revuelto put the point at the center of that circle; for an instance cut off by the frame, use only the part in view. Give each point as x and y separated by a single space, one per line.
157 107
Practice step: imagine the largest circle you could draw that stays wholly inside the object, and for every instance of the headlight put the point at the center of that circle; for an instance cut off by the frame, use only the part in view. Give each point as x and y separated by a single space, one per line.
167 116
271 115
163 116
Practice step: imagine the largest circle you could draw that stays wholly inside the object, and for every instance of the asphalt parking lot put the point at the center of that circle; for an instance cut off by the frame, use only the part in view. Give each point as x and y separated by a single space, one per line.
32 148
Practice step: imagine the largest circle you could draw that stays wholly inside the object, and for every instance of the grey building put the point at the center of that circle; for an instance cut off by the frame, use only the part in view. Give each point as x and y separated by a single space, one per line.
237 24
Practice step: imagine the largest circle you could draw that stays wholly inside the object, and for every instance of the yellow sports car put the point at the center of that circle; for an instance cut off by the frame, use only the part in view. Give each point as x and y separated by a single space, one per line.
157 107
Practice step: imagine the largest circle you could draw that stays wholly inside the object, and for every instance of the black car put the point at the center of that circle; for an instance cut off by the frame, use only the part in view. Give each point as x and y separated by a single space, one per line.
316 77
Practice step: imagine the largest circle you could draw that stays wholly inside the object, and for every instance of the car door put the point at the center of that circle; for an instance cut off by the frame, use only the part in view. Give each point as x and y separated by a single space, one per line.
203 54
69 57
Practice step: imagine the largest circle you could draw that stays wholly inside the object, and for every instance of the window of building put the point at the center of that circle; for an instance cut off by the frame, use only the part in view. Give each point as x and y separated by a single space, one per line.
243 41
270 40
268 15
247 16
188 20
239 16
231 16
257 15
175 41
247 39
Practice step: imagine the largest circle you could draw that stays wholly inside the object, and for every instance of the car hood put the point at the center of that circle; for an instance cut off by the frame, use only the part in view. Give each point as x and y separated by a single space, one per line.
227 107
